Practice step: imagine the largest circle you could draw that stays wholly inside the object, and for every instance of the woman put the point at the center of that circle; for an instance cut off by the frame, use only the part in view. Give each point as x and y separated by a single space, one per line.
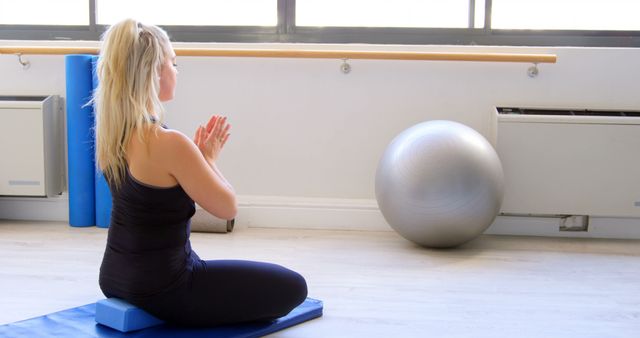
155 175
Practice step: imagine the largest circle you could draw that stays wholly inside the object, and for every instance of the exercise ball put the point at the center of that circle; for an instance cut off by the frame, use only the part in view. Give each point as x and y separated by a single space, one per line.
439 184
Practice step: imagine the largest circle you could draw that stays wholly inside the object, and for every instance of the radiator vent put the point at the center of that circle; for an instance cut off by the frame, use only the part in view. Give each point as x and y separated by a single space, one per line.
566 112
570 161
32 146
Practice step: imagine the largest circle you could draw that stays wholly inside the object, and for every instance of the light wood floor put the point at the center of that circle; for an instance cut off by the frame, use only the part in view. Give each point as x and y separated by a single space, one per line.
373 284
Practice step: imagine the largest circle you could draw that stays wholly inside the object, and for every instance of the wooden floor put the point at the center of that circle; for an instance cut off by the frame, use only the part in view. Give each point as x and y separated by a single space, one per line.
373 284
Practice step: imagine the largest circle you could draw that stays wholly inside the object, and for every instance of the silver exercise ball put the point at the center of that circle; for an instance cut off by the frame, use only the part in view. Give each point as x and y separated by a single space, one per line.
439 184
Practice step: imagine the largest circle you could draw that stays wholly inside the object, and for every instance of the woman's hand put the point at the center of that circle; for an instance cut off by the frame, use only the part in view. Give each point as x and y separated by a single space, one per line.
211 138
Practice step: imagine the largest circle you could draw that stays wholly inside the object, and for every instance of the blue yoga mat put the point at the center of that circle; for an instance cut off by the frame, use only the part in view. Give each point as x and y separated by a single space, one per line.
80 140
80 322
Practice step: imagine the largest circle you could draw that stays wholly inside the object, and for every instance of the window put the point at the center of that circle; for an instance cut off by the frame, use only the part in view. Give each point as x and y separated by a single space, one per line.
383 13
479 13
599 23
44 12
566 14
190 12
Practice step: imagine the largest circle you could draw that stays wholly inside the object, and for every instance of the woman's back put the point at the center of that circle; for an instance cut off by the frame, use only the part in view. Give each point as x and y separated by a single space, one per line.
150 162
148 249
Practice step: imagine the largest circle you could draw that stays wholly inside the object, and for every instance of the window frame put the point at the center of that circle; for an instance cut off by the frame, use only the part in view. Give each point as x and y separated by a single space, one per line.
287 32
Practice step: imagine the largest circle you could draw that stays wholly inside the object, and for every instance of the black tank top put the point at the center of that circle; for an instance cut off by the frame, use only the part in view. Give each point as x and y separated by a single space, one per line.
148 250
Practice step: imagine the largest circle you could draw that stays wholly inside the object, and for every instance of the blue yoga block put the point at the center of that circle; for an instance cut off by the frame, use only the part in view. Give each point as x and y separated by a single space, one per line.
122 316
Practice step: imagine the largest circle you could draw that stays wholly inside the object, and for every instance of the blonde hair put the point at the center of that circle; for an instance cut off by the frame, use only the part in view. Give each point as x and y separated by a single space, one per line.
126 98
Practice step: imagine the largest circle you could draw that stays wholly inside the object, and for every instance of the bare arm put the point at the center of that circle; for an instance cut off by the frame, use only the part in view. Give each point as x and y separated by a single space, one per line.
219 173
192 163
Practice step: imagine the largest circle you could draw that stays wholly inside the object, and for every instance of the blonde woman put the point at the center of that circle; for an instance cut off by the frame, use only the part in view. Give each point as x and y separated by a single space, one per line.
155 174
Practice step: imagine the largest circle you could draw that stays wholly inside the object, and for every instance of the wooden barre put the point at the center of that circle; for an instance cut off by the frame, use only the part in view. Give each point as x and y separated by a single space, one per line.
308 54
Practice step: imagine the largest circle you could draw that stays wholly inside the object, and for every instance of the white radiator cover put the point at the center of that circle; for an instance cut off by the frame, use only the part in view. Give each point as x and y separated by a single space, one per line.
31 146
570 165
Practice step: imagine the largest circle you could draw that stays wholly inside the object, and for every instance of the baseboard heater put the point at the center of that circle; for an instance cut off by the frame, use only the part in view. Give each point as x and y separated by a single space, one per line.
569 162
32 146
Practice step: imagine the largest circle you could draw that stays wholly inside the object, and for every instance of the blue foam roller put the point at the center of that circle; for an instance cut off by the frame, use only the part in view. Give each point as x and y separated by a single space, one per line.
80 322
103 193
122 316
80 140
103 201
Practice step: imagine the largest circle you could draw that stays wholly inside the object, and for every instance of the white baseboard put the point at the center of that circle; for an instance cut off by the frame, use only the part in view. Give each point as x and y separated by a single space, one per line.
364 215
310 213
333 214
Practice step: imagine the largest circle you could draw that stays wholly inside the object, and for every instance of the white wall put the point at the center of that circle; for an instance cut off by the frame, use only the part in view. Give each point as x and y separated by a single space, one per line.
303 129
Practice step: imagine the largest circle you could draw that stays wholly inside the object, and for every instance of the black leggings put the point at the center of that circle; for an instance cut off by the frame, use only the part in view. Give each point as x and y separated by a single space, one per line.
230 291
